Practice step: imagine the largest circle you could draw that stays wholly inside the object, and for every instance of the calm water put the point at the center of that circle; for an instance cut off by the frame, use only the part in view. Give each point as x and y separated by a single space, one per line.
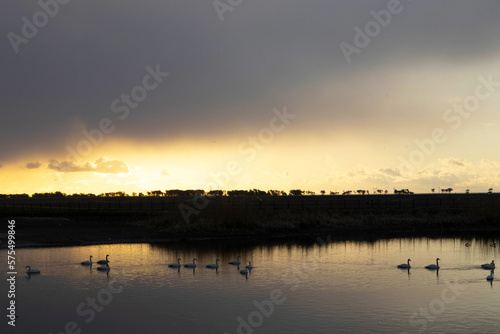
337 287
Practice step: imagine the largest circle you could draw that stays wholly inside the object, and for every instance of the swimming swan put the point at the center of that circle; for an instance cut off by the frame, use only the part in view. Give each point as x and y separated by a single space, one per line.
490 276
213 266
87 263
104 267
175 265
405 265
433 266
489 265
250 265
243 271
237 261
190 265
103 261
32 271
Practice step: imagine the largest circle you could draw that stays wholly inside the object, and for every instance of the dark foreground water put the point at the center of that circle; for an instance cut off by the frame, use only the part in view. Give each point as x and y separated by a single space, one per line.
317 287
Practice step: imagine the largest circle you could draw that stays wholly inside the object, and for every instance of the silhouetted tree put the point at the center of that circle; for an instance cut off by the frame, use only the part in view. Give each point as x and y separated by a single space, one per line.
156 193
15 196
215 193
53 194
296 192
274 192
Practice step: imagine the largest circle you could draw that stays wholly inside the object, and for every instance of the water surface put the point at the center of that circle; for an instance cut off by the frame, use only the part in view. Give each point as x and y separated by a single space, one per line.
312 287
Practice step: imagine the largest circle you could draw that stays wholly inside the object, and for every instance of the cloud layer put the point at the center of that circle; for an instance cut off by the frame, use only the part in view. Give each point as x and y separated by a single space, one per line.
100 166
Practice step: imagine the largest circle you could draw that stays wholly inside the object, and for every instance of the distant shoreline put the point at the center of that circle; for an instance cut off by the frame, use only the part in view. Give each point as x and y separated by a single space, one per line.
56 222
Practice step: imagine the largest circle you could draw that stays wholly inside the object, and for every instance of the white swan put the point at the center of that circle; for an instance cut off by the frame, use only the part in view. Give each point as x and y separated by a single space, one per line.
175 264
250 265
405 265
489 265
190 265
213 266
433 266
32 271
490 276
104 261
237 261
87 263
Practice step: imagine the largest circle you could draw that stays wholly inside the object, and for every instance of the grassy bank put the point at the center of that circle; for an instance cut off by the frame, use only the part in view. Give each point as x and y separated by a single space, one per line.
56 221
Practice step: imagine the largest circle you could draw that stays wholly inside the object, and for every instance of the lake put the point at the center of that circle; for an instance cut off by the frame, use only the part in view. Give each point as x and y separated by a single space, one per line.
311 286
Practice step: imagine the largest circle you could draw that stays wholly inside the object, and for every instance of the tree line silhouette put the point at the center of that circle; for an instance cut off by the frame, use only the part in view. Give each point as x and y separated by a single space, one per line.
230 193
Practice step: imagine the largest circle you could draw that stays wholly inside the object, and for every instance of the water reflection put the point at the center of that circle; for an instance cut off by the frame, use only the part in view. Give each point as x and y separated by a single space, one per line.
337 285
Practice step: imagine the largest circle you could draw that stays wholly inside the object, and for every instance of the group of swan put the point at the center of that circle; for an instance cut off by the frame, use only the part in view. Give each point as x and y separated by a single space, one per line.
467 244
248 268
436 266
430 266
105 263
211 265
237 262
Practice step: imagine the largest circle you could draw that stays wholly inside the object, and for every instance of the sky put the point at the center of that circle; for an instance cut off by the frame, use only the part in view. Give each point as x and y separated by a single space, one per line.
103 96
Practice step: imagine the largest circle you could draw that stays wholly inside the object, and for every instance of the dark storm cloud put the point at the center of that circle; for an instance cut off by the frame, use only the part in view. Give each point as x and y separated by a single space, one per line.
224 75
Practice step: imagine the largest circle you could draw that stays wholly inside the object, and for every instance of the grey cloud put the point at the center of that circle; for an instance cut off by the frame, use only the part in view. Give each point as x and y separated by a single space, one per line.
33 165
456 162
100 166
390 171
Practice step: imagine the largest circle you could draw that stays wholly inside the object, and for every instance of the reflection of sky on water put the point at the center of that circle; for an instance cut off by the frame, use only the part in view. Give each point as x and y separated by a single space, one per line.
345 286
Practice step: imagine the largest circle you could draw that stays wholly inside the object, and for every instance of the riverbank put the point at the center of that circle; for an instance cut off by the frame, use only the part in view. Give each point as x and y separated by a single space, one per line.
108 228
